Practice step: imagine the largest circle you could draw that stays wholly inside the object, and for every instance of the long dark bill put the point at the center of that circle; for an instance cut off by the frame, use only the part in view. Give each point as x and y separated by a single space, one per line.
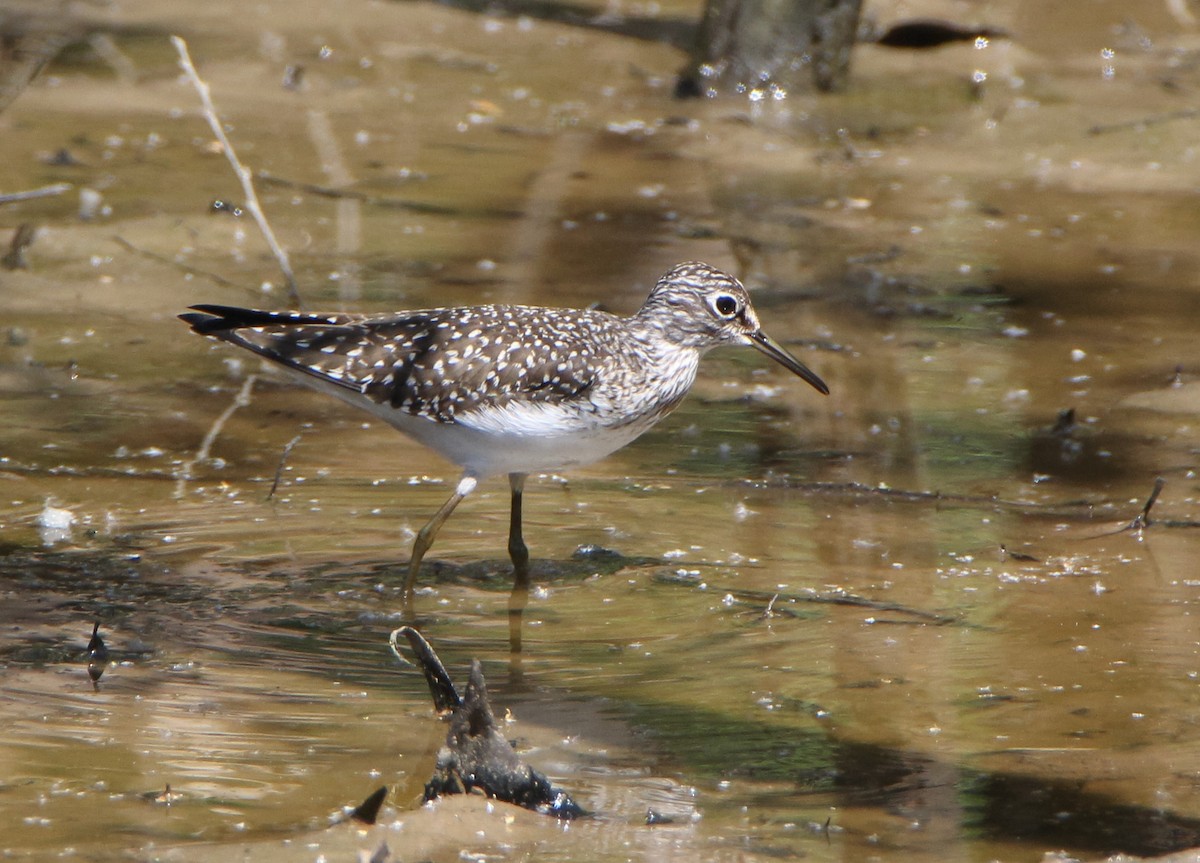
775 351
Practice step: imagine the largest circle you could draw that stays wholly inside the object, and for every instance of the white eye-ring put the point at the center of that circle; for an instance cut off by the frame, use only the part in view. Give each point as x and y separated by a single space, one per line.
725 305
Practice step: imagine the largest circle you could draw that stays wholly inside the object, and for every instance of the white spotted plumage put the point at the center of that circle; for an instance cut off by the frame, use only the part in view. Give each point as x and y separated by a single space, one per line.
512 389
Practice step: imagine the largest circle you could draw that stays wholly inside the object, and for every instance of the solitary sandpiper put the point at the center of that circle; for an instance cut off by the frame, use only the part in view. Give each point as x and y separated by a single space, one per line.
511 389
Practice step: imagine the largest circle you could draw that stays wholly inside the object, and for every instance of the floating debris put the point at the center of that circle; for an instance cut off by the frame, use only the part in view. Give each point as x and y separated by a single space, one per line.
54 523
163 798
1007 553
653 816
55 518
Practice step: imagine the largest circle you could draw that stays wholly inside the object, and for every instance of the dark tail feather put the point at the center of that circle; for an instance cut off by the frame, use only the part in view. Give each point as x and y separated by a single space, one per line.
213 319
203 324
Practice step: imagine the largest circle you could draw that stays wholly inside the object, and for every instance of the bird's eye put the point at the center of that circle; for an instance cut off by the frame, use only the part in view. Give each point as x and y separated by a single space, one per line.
725 305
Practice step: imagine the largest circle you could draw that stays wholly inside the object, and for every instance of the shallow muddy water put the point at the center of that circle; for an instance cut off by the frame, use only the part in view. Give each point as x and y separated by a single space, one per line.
903 622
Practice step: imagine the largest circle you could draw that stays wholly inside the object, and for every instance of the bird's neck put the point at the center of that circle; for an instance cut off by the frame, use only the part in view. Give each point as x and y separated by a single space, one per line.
667 364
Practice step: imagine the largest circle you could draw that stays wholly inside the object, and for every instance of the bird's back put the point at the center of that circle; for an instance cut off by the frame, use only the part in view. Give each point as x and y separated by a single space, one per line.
493 388
438 363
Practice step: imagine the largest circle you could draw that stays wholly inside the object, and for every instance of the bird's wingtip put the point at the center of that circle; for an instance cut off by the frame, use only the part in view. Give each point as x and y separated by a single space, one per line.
207 319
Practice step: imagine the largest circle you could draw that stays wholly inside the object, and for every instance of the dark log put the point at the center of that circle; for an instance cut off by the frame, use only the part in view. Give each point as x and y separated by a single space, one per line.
478 758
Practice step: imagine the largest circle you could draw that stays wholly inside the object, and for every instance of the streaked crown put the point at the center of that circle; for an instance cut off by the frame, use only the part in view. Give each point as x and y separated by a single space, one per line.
696 305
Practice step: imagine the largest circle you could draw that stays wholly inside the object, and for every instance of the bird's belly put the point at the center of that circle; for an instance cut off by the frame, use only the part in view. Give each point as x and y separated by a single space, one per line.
520 437
526 443
487 453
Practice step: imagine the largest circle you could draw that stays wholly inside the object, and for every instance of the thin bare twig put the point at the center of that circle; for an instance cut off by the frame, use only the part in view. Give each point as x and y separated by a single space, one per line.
26 55
243 173
30 194
378 200
387 202
772 601
287 450
163 259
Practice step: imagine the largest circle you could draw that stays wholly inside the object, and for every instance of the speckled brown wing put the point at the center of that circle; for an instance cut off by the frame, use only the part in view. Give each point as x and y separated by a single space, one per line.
434 363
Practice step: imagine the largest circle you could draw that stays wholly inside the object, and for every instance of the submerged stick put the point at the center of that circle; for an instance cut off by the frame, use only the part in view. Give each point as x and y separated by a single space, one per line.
383 200
241 400
287 450
1153 120
97 654
1143 518
22 239
243 173
163 259
772 601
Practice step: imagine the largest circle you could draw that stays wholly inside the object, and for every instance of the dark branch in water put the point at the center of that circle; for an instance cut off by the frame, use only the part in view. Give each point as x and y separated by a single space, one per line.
772 601
477 756
859 490
1142 520
441 687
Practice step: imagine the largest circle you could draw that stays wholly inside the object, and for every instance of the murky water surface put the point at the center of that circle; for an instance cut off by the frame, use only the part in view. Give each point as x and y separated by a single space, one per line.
899 623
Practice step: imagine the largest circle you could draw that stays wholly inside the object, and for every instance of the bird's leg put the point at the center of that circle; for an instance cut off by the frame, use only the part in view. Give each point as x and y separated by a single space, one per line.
426 535
516 543
520 559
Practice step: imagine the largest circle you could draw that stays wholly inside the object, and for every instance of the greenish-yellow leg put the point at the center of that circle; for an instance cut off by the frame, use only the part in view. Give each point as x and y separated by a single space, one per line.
427 534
